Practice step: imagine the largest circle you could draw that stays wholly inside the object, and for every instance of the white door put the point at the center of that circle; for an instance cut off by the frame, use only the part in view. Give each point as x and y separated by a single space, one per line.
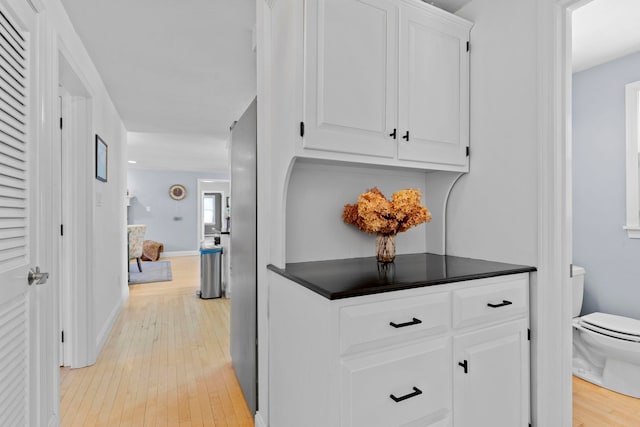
433 101
491 377
27 351
350 86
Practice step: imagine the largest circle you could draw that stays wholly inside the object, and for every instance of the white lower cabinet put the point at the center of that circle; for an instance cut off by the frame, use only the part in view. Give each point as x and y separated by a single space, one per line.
405 386
491 384
448 355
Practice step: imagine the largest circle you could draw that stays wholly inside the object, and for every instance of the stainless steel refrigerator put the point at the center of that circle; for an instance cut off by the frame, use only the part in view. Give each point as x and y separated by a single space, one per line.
244 253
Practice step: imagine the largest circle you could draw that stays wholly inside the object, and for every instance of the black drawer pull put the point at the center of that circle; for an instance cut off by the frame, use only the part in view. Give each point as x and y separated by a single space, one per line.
504 302
402 325
406 136
393 134
416 392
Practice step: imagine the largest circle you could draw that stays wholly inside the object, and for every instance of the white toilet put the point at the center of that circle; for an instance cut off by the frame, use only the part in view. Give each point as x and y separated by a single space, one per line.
606 348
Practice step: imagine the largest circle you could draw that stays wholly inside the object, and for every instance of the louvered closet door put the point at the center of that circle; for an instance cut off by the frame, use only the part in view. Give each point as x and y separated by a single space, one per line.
16 207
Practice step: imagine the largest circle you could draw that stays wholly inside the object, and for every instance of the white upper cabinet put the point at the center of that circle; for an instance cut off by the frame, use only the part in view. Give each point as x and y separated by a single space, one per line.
434 89
386 82
351 76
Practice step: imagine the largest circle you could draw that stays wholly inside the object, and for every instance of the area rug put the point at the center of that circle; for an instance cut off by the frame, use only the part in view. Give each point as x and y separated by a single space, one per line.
159 271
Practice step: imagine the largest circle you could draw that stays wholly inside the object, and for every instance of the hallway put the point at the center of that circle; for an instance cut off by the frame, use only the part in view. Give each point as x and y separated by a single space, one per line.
166 362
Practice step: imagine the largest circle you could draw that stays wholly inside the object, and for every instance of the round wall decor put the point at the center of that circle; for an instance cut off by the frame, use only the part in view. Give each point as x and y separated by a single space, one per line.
177 192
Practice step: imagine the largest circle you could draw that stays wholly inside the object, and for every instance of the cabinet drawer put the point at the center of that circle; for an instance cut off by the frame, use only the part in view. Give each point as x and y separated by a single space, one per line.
507 298
393 321
417 376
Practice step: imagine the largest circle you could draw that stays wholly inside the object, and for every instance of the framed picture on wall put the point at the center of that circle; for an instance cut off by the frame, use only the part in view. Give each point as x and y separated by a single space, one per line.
102 151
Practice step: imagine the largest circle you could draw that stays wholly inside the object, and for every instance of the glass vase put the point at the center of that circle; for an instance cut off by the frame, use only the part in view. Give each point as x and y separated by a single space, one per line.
385 247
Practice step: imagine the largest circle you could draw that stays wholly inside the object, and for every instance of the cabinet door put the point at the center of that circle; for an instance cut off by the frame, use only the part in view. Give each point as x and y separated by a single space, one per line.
409 386
350 86
434 89
494 391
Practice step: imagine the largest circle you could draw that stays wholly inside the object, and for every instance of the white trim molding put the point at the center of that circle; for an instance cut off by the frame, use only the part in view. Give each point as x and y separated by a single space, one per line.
632 124
259 421
103 335
632 232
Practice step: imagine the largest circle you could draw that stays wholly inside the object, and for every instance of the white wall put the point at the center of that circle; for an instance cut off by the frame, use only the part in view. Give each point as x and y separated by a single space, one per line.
107 285
517 172
493 210
316 196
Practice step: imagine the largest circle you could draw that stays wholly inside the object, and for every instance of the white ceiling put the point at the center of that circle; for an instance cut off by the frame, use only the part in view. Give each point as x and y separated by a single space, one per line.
604 30
182 68
178 152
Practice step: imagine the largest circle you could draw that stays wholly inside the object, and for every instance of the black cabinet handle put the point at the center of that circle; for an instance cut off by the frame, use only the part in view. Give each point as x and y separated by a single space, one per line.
393 134
402 325
464 365
416 392
406 136
502 304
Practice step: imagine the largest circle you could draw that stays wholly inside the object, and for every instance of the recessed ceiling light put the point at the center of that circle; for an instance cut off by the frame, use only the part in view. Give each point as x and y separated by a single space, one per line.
132 162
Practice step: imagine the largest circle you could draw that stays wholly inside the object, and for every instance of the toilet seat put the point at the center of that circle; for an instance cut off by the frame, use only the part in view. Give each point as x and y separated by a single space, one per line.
612 326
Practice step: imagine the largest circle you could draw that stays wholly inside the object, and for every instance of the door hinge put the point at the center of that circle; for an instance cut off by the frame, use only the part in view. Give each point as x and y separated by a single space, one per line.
571 271
528 334
468 46
62 336
61 229
60 122
467 151
302 129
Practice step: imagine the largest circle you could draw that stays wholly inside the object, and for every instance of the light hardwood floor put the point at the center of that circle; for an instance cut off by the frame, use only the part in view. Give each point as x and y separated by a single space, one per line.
166 363
595 406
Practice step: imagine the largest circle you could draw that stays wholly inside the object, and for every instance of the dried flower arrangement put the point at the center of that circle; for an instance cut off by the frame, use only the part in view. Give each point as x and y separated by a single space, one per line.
374 213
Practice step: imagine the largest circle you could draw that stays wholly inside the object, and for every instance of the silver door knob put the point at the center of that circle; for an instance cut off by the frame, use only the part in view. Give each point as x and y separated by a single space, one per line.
37 277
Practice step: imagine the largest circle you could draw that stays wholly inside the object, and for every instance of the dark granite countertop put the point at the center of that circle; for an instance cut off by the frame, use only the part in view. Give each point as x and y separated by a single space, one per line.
345 278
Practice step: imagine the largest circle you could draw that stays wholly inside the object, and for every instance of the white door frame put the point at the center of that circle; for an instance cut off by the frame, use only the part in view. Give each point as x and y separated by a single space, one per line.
61 203
76 260
551 294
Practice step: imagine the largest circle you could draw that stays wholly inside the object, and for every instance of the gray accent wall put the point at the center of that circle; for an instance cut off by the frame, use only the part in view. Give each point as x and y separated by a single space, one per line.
600 245
170 222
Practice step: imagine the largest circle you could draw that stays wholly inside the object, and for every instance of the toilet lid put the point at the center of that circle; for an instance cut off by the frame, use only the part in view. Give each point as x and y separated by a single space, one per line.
610 324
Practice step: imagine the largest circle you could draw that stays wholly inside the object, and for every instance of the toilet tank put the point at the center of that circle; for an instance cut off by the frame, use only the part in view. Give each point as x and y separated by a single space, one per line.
577 283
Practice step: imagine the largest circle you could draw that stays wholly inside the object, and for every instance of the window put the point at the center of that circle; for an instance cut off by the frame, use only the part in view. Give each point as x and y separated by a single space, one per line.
211 212
208 208
632 107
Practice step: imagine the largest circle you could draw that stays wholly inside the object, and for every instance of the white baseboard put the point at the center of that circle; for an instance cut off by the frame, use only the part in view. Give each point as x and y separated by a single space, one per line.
101 339
179 253
259 421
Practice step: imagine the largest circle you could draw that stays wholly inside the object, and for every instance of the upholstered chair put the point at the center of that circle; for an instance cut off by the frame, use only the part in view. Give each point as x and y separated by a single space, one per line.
136 240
